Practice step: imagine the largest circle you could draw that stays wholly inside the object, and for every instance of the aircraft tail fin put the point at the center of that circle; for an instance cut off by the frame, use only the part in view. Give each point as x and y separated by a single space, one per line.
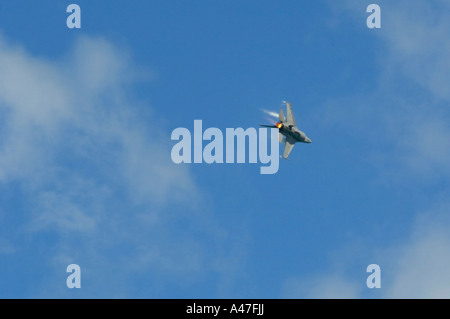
290 115
281 116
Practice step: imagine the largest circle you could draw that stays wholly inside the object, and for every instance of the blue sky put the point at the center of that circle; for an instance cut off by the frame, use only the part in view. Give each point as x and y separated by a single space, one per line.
86 175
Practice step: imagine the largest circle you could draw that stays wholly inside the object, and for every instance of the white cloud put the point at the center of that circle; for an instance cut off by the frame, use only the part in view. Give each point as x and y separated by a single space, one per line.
418 47
331 286
417 39
82 110
419 267
94 173
404 119
413 267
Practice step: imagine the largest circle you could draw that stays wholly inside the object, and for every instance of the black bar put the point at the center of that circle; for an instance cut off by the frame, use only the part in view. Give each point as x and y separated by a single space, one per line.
221 308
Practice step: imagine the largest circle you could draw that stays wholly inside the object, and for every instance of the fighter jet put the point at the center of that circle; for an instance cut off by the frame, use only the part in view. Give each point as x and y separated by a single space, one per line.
288 131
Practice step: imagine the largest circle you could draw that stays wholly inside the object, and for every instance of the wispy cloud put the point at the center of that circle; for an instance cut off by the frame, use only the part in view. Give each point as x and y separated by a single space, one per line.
330 286
94 175
404 121
418 268
404 116
412 267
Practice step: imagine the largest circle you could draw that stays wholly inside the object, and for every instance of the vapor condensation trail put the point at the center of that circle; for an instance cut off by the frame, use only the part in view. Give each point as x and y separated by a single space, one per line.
271 113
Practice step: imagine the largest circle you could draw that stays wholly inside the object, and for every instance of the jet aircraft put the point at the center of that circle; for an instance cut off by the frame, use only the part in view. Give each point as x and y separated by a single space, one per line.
288 131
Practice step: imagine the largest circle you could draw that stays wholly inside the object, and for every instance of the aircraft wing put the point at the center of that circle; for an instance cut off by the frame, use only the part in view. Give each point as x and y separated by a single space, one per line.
290 116
288 145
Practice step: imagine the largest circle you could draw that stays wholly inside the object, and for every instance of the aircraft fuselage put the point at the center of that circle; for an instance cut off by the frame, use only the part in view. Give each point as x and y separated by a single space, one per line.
294 132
